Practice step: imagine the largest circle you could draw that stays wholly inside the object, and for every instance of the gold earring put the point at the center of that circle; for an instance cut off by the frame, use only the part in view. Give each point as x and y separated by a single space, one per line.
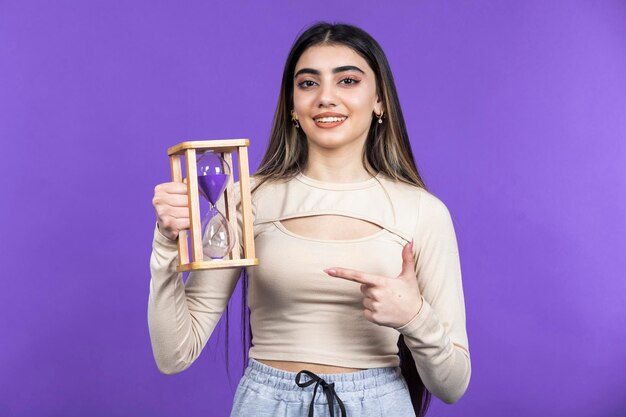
294 119
380 116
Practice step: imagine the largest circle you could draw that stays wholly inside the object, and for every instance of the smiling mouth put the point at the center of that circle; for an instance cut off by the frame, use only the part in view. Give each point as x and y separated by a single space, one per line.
329 122
330 119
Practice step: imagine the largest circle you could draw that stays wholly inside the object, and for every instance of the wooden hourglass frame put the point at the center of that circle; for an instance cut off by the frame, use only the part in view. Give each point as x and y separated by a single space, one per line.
195 260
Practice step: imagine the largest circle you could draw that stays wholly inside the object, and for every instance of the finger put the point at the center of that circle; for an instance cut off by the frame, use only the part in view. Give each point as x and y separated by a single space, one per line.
182 224
172 188
177 200
408 261
368 303
164 202
366 290
352 275
179 212
164 211
369 315
171 223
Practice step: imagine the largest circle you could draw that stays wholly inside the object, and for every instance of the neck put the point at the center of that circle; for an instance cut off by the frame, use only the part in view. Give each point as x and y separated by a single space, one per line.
336 165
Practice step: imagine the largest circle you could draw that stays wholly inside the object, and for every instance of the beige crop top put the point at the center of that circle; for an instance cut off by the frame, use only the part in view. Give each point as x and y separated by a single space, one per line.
300 314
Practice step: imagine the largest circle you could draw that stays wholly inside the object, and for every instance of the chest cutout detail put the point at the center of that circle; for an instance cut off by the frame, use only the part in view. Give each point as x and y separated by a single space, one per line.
330 227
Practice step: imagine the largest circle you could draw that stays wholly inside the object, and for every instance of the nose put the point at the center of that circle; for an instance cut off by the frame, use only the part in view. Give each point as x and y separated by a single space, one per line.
327 96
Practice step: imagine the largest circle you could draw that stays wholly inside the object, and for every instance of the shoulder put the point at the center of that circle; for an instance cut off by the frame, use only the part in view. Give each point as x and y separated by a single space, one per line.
266 193
257 186
253 188
411 198
266 188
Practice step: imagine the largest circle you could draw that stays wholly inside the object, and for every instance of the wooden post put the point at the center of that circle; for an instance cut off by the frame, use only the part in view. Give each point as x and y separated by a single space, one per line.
246 204
195 222
177 175
229 203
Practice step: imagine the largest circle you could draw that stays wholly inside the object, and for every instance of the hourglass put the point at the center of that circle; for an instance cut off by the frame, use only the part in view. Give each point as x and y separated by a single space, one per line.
214 240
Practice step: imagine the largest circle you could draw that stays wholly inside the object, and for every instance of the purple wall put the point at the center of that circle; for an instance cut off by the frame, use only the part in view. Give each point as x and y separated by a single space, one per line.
517 114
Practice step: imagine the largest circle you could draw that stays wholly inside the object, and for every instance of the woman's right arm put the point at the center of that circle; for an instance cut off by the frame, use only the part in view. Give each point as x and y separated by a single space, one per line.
181 317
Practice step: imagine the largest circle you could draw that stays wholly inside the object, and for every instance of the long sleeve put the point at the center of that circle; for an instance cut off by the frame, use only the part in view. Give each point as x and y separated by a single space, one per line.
437 335
182 316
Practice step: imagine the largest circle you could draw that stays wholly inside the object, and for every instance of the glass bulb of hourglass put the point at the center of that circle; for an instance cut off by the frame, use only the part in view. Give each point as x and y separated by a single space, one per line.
217 233
213 173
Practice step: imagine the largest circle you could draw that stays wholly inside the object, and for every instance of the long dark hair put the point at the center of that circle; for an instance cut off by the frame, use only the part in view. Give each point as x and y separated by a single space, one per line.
387 150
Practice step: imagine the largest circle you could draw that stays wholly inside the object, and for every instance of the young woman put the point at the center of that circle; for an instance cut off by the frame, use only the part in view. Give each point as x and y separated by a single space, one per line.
359 287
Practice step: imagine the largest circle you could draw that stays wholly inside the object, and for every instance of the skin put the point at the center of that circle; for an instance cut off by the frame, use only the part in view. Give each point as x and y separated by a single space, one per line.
334 156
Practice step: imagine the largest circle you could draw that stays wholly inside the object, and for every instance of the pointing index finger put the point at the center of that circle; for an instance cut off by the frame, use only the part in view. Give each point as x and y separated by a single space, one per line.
352 275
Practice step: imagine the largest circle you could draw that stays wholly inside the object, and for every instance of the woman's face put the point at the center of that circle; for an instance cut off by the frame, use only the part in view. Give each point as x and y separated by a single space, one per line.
334 96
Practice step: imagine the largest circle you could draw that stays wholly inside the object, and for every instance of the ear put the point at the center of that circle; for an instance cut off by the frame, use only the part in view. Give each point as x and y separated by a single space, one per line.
378 106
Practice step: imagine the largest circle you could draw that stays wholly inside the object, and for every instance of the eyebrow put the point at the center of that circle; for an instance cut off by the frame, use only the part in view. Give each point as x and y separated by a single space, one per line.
335 70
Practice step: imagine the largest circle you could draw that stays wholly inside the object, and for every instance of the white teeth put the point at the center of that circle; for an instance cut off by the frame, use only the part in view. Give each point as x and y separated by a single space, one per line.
330 119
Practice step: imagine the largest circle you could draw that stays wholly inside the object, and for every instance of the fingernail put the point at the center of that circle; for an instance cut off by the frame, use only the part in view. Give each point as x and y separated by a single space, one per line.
330 271
411 246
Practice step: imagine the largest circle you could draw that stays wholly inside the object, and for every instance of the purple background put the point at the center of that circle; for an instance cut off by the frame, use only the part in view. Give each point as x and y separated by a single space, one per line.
517 116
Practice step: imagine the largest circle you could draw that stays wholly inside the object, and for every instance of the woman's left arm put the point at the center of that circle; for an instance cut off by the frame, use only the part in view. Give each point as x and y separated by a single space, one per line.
430 310
437 335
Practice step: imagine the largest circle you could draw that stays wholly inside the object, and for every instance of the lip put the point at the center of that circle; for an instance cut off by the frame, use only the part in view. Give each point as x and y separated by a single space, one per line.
328 114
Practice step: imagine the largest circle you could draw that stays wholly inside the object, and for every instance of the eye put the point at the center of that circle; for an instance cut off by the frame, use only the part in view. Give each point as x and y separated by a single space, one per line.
306 84
350 81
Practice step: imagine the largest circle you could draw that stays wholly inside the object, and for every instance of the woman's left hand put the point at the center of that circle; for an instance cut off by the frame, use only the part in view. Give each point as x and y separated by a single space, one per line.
390 302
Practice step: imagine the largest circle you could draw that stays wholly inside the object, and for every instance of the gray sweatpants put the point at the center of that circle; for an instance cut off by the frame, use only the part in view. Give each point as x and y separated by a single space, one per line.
265 391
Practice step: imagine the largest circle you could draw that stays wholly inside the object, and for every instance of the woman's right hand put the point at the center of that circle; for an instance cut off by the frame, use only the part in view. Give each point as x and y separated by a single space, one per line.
172 208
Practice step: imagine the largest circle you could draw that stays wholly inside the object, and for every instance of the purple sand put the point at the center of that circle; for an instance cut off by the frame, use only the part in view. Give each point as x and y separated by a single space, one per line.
212 186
